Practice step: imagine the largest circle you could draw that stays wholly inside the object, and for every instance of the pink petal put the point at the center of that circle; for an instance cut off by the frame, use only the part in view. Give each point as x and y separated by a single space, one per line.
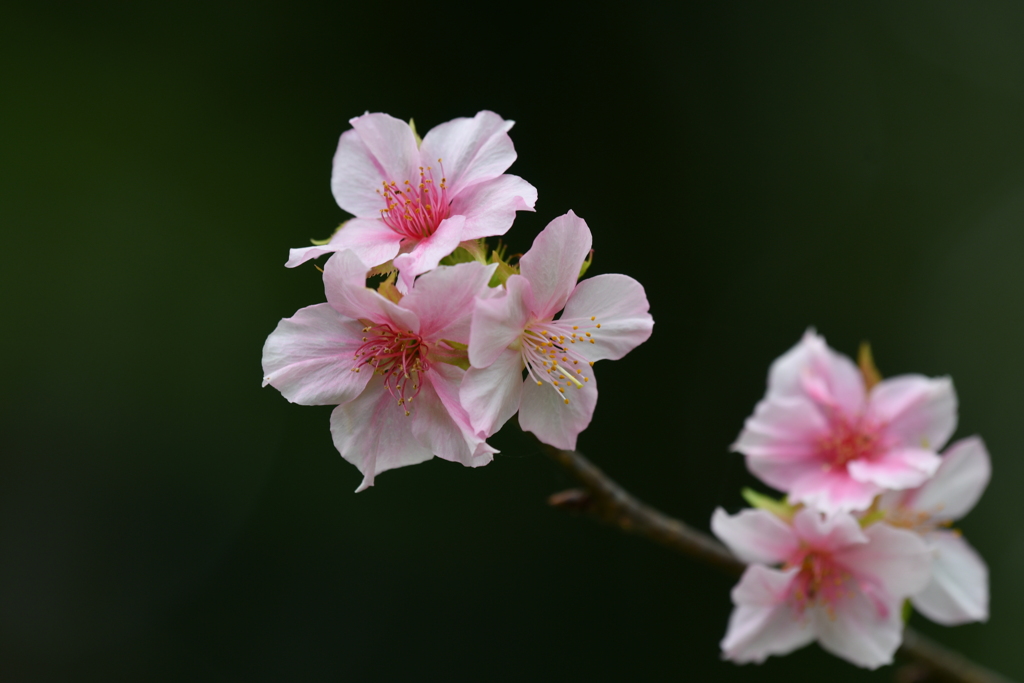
901 468
857 632
553 263
490 206
357 176
373 433
827 533
895 561
958 483
762 623
372 241
310 357
812 369
499 321
543 411
428 252
958 591
832 491
780 440
443 300
440 423
470 150
620 306
917 411
755 535
347 293
491 395
392 144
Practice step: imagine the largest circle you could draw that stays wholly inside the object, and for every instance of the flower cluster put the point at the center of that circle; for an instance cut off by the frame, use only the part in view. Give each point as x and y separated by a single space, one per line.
864 530
455 338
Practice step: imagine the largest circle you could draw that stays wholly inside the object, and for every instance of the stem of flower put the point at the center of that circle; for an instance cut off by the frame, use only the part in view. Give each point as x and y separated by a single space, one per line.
603 498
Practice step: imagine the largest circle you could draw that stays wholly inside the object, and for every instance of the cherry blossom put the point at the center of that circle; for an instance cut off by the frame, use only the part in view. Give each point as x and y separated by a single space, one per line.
819 436
839 584
958 590
604 317
418 200
392 368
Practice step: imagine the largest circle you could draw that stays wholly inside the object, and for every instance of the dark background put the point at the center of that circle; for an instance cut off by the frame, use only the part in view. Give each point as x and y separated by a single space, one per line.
759 167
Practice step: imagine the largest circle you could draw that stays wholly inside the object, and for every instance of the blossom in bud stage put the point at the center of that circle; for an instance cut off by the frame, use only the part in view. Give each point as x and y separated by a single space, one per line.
828 442
420 199
958 590
839 584
392 368
604 317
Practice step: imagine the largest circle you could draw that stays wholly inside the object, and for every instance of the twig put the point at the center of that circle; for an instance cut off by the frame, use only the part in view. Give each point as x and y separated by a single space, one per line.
605 499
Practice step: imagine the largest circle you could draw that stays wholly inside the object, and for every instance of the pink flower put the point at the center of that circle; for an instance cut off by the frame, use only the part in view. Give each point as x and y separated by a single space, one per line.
825 441
392 368
958 590
839 584
422 200
605 317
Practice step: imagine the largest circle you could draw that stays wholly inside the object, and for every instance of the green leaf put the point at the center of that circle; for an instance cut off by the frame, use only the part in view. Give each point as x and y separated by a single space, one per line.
779 508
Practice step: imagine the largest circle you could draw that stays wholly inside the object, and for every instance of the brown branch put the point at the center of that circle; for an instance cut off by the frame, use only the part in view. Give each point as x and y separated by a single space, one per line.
606 500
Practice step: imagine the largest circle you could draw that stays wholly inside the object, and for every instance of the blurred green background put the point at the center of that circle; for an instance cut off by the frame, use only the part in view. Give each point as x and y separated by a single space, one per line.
759 167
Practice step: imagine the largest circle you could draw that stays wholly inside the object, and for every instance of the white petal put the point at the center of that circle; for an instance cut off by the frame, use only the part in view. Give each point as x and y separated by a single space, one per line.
310 357
857 632
895 560
470 150
958 591
373 433
763 623
491 395
552 265
755 535
958 483
543 411
918 411
813 369
620 307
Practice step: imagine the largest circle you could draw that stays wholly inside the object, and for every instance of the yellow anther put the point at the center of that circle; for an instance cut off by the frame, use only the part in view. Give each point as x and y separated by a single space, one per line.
591 341
588 334
561 390
539 383
598 325
591 363
575 327
566 401
593 317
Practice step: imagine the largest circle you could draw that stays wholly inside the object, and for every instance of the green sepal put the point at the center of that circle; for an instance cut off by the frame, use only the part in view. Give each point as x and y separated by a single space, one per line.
456 345
460 362
460 255
321 243
504 270
780 508
419 140
908 609
388 290
871 517
586 264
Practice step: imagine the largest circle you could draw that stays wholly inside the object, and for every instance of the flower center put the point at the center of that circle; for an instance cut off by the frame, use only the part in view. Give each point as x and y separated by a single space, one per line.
820 580
415 210
401 357
848 442
555 352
